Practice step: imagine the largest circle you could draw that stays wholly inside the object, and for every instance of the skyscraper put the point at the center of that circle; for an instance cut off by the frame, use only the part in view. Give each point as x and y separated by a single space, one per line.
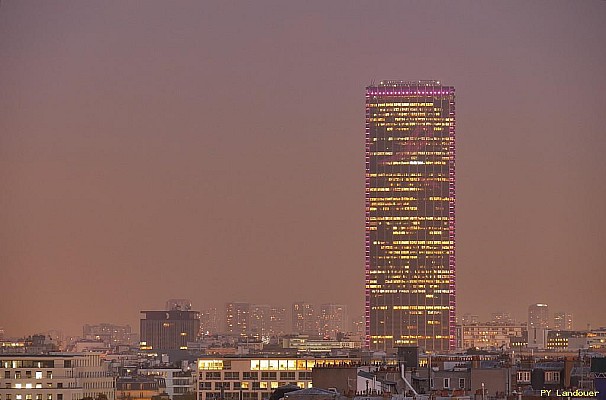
304 319
169 330
562 321
538 316
410 215
237 318
333 320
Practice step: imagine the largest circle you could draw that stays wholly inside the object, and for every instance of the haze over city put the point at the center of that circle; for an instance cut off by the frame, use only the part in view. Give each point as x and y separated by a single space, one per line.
215 151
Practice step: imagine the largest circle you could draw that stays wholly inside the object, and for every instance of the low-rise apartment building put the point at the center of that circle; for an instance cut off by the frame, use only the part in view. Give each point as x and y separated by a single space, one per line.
54 377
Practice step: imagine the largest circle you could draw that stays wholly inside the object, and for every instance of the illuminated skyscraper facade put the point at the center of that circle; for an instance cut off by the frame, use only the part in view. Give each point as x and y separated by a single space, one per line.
410 215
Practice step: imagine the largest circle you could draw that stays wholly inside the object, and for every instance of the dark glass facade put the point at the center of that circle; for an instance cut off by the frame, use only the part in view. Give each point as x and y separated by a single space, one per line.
169 330
410 215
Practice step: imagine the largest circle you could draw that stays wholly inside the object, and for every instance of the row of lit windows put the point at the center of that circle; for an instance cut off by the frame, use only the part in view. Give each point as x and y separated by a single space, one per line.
390 126
28 374
405 108
402 104
30 397
409 218
270 365
419 162
445 141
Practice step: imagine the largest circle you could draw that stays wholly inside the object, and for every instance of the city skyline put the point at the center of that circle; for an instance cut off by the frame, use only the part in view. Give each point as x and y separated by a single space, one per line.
214 151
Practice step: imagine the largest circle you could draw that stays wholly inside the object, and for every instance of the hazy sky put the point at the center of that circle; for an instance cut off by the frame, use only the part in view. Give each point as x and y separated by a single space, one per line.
215 151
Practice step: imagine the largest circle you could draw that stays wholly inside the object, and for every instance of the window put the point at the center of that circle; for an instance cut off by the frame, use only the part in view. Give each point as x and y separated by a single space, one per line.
234 376
552 376
256 385
49 374
38 374
244 385
28 374
305 375
287 376
49 397
251 376
60 396
17 374
28 397
237 385
213 376
205 385
268 375
447 383
222 385
461 383
60 385
7 374
38 397
523 376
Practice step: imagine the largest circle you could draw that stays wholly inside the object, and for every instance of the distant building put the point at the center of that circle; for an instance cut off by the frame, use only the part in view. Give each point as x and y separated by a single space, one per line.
562 321
178 304
168 330
538 316
60 376
304 321
410 215
484 336
266 320
139 387
209 322
470 319
537 338
310 345
277 318
333 320
237 318
563 340
176 381
502 318
110 334
255 378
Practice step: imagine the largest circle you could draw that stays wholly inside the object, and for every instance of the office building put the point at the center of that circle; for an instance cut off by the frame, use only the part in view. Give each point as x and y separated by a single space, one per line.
333 320
538 316
410 215
562 321
260 320
169 330
237 318
502 318
209 322
255 379
488 336
304 321
110 334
